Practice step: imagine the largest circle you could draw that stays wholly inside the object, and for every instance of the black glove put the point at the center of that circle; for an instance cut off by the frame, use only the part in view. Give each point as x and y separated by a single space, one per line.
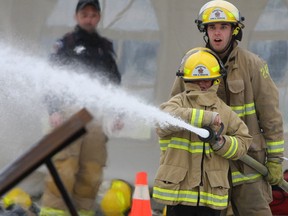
215 140
217 143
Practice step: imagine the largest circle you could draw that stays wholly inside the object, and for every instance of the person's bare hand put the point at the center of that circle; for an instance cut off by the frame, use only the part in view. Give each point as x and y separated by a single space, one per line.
217 120
118 124
56 119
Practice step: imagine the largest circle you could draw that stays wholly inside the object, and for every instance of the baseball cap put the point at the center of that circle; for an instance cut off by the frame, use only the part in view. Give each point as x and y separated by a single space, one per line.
82 3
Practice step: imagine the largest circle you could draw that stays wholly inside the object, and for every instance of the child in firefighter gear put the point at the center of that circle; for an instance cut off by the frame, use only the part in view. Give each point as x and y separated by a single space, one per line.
80 165
249 90
193 175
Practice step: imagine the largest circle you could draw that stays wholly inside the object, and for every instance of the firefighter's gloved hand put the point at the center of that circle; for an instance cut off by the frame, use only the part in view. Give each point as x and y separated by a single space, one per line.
215 139
275 174
217 143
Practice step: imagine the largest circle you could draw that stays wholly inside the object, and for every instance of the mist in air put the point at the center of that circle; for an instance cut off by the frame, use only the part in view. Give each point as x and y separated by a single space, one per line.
25 82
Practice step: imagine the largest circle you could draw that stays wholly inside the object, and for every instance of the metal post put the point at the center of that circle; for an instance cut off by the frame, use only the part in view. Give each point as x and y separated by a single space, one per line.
61 187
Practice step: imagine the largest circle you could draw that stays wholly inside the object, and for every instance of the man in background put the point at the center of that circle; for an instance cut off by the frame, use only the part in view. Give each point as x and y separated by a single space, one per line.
80 165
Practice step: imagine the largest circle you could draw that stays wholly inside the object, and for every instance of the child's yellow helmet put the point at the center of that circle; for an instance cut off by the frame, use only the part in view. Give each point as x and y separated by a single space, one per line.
201 64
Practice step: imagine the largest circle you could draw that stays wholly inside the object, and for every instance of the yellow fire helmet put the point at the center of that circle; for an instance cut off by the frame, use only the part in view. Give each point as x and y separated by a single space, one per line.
201 64
117 200
17 196
219 11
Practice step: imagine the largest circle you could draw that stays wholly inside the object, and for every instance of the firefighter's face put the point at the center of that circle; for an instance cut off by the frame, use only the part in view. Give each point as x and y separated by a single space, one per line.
88 18
204 84
220 35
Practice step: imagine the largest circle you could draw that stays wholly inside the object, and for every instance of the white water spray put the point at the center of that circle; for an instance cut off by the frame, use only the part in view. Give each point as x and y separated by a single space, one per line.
25 80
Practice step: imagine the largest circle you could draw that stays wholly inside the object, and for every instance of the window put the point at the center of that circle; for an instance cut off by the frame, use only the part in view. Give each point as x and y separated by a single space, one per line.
270 42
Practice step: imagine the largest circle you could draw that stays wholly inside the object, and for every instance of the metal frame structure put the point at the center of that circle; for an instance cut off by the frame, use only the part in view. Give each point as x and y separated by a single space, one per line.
42 153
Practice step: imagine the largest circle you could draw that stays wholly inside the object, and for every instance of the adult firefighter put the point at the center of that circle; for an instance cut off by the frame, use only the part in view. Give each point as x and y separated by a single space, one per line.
192 179
249 90
81 165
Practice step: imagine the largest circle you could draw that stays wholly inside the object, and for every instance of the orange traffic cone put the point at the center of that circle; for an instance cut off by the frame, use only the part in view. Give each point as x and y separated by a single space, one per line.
141 199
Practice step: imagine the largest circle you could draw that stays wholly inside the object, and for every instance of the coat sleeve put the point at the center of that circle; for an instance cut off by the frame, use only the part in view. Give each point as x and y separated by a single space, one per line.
60 56
63 53
115 76
266 101
192 116
237 138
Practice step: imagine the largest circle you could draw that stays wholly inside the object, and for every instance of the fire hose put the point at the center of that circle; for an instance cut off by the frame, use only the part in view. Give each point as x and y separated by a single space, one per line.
260 168
251 162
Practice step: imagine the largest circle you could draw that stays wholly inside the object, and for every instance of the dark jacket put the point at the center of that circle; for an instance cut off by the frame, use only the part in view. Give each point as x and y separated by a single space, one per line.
85 52
88 51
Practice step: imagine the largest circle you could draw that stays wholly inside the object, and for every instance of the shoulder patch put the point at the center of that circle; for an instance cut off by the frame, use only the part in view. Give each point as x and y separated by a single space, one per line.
57 46
79 49
265 71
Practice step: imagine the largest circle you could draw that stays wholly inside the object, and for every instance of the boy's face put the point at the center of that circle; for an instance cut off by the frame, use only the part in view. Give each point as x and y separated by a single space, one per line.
204 84
88 18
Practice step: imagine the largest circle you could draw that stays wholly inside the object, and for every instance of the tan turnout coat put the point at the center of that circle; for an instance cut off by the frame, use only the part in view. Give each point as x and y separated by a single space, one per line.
190 173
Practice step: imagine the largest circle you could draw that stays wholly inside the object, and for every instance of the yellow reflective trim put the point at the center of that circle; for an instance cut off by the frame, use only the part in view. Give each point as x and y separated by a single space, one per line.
279 150
210 199
186 71
52 212
233 148
230 15
265 71
240 177
275 142
185 144
92 213
250 105
163 144
216 68
275 151
197 117
190 196
164 141
275 146
246 109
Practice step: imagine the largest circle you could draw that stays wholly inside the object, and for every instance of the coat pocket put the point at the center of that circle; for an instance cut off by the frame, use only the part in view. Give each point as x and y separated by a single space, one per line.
236 89
170 177
218 180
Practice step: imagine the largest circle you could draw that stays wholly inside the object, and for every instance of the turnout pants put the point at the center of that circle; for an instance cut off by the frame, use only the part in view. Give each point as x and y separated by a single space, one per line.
183 210
252 199
80 167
